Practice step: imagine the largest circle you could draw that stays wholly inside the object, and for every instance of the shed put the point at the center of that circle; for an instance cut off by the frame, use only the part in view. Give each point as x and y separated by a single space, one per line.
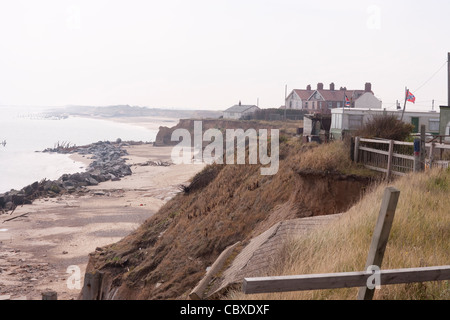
239 111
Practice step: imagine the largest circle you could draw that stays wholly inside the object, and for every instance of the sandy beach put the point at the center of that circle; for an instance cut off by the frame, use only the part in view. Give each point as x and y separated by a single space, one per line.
48 247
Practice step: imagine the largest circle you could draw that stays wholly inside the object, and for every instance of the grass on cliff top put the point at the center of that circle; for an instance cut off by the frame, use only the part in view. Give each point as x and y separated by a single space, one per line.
330 157
419 238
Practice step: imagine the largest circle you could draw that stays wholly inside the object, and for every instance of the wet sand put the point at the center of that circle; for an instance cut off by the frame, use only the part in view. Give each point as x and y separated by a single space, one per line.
39 250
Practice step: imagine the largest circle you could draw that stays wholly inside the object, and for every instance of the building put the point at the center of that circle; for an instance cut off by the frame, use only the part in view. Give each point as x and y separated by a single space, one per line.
296 100
239 111
444 126
324 100
349 120
316 127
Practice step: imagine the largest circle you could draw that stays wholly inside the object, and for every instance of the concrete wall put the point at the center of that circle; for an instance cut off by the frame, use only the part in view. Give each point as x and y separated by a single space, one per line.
232 115
238 115
368 101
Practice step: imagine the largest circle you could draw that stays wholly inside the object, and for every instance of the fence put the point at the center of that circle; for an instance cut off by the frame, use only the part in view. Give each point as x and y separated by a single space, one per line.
398 157
355 279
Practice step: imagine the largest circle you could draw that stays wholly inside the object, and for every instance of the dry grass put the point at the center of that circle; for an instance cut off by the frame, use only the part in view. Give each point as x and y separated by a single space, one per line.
419 238
225 204
334 157
386 127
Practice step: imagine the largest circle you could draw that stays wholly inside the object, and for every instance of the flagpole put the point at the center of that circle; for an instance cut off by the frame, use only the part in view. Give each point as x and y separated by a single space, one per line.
406 99
344 102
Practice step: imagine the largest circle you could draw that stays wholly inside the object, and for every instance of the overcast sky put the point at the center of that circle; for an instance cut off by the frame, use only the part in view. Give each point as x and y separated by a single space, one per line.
210 54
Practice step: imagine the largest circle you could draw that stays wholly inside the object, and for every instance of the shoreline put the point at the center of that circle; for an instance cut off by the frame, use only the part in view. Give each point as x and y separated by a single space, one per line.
42 243
53 167
54 234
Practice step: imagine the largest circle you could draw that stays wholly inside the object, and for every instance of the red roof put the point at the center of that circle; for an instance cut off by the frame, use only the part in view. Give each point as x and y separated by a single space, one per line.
338 95
304 94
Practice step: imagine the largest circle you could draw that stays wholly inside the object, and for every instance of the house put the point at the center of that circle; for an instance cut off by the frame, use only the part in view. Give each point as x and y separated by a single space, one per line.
350 120
297 98
239 111
323 100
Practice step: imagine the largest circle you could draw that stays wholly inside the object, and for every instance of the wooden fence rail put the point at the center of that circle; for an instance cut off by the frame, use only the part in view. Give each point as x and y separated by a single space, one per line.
355 279
397 157
342 280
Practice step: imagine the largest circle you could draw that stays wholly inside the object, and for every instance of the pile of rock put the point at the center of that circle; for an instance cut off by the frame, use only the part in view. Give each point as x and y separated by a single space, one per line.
108 164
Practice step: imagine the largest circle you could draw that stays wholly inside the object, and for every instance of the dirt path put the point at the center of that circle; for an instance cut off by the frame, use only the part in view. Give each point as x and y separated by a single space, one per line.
40 251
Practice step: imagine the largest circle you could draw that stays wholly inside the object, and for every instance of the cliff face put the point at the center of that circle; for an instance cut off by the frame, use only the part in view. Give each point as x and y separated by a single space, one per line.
167 256
163 138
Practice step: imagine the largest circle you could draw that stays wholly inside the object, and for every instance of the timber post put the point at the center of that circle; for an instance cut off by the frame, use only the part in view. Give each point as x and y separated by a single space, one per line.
381 236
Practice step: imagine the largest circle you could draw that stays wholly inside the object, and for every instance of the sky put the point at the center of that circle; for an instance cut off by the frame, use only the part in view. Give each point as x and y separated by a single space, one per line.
211 54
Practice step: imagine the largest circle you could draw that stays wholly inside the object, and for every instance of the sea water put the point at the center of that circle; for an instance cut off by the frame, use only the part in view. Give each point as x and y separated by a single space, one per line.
27 135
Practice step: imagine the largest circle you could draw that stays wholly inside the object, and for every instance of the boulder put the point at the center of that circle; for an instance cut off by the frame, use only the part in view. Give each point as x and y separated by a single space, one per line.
2 201
92 182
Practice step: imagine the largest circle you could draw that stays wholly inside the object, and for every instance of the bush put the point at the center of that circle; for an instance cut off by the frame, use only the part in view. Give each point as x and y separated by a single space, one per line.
386 127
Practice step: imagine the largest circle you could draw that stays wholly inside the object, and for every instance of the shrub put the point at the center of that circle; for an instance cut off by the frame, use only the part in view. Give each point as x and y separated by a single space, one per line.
386 127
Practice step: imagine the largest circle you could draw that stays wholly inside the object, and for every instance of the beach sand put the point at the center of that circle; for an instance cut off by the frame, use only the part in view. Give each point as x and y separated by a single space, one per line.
49 248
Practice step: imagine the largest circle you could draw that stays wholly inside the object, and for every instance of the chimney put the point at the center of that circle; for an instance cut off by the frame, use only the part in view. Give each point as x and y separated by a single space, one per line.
240 103
308 87
332 86
368 87
320 86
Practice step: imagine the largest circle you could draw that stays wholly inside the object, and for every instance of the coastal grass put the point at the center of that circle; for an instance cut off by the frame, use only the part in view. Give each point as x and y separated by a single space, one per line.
419 238
223 204
330 157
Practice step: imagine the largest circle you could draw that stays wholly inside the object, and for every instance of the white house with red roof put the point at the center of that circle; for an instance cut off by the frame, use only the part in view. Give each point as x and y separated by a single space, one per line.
324 100
298 97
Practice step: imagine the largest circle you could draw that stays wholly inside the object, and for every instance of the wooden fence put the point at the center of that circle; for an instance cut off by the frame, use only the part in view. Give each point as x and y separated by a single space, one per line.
355 279
397 157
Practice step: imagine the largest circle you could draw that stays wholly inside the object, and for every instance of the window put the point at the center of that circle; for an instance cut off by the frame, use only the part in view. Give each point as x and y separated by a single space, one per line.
355 122
433 125
330 105
320 105
338 104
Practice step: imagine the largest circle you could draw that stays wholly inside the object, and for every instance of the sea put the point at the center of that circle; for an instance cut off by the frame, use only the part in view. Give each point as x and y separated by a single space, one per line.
27 132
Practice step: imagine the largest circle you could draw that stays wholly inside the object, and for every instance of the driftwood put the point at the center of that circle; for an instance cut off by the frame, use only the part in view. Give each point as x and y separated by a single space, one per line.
22 215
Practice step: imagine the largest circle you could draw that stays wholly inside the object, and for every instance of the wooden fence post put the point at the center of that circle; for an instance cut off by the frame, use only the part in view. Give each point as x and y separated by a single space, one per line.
390 157
423 149
356 155
380 236
49 295
432 148
417 148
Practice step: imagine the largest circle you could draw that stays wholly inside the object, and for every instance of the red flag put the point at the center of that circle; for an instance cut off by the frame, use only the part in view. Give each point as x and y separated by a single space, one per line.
410 97
347 101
